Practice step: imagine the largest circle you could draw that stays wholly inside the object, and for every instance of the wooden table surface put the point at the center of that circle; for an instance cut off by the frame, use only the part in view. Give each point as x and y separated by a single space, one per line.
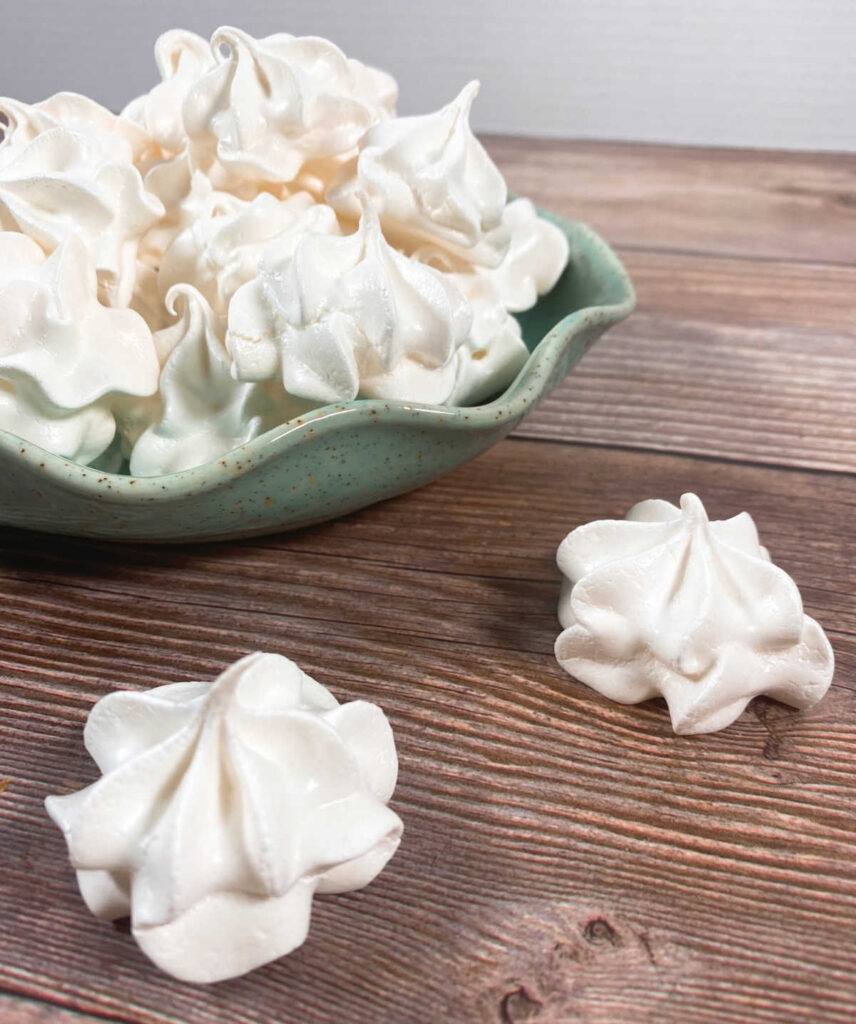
564 858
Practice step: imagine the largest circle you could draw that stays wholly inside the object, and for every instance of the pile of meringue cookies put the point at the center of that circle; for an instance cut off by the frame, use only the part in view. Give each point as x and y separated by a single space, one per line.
257 236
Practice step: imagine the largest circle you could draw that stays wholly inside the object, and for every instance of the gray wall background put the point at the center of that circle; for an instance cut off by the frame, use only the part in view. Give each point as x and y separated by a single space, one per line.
725 72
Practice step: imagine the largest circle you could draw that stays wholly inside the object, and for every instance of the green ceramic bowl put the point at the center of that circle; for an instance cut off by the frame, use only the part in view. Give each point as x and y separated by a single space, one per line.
333 460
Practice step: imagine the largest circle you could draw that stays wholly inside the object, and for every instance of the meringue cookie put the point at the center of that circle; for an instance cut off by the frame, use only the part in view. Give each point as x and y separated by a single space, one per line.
64 358
69 110
182 58
224 807
348 316
203 411
494 351
78 177
537 255
222 249
668 603
432 182
270 105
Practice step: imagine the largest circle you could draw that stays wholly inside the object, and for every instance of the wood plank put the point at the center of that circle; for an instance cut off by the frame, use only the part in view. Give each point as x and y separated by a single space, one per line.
783 396
562 855
14 1010
751 293
767 204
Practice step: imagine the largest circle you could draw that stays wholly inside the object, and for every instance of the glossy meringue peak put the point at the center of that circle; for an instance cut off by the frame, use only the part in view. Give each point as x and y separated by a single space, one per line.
667 603
223 807
432 182
182 58
67 167
350 316
202 412
271 105
64 357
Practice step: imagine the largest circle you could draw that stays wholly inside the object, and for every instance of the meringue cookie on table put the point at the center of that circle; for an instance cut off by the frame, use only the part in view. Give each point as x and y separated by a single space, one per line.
432 183
79 177
223 247
223 807
65 358
271 105
350 316
667 603
202 411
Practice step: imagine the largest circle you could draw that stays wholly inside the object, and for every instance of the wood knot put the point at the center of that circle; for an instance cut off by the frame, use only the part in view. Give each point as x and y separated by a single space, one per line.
599 932
519 1006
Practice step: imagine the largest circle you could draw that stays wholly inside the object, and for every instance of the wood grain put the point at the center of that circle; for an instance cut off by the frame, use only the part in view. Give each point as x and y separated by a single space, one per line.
564 859
760 394
717 201
27 1011
562 855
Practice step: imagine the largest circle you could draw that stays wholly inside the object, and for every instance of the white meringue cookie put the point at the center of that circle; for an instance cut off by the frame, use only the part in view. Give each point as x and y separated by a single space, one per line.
64 358
494 351
270 105
79 178
224 807
67 110
203 411
537 255
182 59
668 603
432 182
222 248
348 316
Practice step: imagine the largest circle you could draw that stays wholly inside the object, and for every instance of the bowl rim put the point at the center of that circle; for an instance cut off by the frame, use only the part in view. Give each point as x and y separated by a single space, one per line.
511 404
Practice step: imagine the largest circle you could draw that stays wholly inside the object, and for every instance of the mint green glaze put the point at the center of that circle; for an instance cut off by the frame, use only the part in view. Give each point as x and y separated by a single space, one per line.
333 460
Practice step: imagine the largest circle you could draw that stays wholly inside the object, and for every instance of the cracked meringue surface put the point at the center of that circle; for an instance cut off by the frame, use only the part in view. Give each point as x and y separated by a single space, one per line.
667 603
64 358
224 807
267 184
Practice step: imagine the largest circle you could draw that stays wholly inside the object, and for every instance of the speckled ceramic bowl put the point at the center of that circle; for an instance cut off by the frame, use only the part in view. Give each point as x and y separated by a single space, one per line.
332 461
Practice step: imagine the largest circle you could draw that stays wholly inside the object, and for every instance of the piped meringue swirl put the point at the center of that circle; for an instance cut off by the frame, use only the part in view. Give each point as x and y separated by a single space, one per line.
203 412
223 807
271 105
67 166
667 603
223 247
348 316
432 183
65 358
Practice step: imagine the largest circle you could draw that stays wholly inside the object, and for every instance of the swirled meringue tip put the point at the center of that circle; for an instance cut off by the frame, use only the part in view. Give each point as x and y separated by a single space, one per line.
223 807
667 603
